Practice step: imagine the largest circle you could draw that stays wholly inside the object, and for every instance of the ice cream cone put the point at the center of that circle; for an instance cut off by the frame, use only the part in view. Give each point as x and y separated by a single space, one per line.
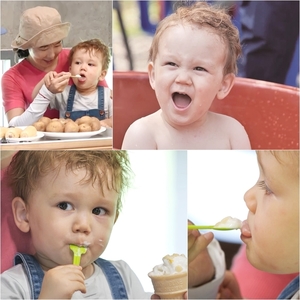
169 286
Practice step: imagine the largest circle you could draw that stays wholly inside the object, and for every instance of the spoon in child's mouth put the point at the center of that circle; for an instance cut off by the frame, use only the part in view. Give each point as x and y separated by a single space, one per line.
77 252
76 76
227 223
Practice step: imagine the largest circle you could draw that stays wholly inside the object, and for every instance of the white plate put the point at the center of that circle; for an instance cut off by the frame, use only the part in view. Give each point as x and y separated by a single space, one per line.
38 136
72 135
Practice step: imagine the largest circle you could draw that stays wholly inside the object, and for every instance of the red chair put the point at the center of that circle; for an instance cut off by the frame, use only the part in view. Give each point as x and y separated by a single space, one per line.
12 239
268 111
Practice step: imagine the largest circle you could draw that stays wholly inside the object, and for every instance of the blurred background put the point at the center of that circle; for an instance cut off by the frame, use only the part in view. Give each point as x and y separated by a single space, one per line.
134 24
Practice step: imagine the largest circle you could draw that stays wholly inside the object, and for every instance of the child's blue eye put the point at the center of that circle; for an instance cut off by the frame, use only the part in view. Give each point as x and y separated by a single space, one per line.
99 211
263 185
200 69
64 206
171 64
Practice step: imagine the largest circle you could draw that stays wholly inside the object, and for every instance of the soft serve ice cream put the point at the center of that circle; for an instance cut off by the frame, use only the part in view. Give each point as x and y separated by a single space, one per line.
229 222
170 278
171 264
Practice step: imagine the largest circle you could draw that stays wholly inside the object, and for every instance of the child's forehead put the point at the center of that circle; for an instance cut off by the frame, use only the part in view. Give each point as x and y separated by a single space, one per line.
286 161
194 29
92 53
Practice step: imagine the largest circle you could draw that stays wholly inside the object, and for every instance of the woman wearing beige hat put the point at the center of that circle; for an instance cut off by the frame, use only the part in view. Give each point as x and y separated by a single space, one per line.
39 42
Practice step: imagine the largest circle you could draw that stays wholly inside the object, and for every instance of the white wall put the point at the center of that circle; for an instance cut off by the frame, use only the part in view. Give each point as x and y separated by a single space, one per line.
217 182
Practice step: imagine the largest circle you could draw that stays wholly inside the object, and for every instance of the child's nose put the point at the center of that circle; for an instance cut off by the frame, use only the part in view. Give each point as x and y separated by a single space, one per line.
250 199
82 224
183 78
83 67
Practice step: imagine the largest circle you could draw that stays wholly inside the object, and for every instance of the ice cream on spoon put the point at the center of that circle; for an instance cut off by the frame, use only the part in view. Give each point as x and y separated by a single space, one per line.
227 223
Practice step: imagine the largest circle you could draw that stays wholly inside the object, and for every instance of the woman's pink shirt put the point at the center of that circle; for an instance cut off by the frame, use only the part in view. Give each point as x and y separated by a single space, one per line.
19 81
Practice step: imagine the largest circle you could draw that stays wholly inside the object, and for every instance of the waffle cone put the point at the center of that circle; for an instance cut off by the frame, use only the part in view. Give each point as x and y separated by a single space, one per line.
170 286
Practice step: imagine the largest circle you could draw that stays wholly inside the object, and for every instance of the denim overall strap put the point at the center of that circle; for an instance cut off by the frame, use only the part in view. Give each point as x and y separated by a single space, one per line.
114 279
101 102
34 272
70 101
290 290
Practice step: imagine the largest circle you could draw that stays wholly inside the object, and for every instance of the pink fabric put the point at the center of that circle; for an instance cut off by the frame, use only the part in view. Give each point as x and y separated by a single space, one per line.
256 284
12 239
19 81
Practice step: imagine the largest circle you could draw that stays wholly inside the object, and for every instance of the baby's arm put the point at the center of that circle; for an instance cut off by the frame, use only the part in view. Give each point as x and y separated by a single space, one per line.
201 268
139 136
206 265
34 111
239 138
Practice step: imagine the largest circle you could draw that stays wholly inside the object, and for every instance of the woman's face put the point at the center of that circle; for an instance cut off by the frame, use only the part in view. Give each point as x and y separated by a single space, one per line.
45 57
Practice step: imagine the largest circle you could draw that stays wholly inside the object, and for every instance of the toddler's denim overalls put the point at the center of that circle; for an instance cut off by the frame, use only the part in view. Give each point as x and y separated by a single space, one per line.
74 115
35 275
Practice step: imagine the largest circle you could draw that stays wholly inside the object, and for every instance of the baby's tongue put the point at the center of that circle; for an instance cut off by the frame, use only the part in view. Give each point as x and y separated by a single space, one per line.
181 101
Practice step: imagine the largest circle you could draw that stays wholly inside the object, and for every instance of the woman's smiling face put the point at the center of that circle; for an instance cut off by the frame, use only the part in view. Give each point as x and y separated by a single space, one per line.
45 57
271 231
187 74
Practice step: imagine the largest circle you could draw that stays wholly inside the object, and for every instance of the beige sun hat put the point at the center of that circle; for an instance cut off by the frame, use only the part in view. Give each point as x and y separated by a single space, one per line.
40 26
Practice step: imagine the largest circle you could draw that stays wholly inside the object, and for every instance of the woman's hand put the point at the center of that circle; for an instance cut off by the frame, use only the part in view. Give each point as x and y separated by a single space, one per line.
56 83
200 268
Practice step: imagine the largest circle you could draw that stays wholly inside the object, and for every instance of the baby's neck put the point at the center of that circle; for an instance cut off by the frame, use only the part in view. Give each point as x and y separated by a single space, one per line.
86 91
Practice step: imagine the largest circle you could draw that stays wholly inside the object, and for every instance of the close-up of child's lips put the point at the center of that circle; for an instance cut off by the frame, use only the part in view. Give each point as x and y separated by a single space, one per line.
245 230
181 100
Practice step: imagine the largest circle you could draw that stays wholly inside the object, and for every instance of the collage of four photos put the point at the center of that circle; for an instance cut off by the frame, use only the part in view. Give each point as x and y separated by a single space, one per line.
149 149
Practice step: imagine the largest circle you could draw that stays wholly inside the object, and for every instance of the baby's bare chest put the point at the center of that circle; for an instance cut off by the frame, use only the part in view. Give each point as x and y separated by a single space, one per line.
208 138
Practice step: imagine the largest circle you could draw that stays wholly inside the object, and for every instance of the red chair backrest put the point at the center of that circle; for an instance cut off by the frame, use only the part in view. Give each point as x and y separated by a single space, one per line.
133 99
268 111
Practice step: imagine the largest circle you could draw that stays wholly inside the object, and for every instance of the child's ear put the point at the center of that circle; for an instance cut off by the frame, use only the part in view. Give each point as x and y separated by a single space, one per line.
19 209
102 75
226 86
151 75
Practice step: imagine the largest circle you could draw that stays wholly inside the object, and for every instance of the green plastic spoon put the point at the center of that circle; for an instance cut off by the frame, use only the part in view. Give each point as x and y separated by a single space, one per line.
78 251
209 227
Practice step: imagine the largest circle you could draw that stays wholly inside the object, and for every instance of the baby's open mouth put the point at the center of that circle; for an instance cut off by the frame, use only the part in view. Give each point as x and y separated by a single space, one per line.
181 100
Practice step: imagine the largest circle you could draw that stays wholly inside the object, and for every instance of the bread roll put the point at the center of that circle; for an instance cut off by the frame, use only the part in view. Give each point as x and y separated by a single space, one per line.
84 128
95 124
46 120
55 126
29 131
13 132
2 132
71 127
40 126
84 120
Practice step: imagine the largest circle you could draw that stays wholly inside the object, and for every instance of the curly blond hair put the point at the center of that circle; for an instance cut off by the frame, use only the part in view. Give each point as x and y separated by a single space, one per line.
103 167
95 45
203 15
